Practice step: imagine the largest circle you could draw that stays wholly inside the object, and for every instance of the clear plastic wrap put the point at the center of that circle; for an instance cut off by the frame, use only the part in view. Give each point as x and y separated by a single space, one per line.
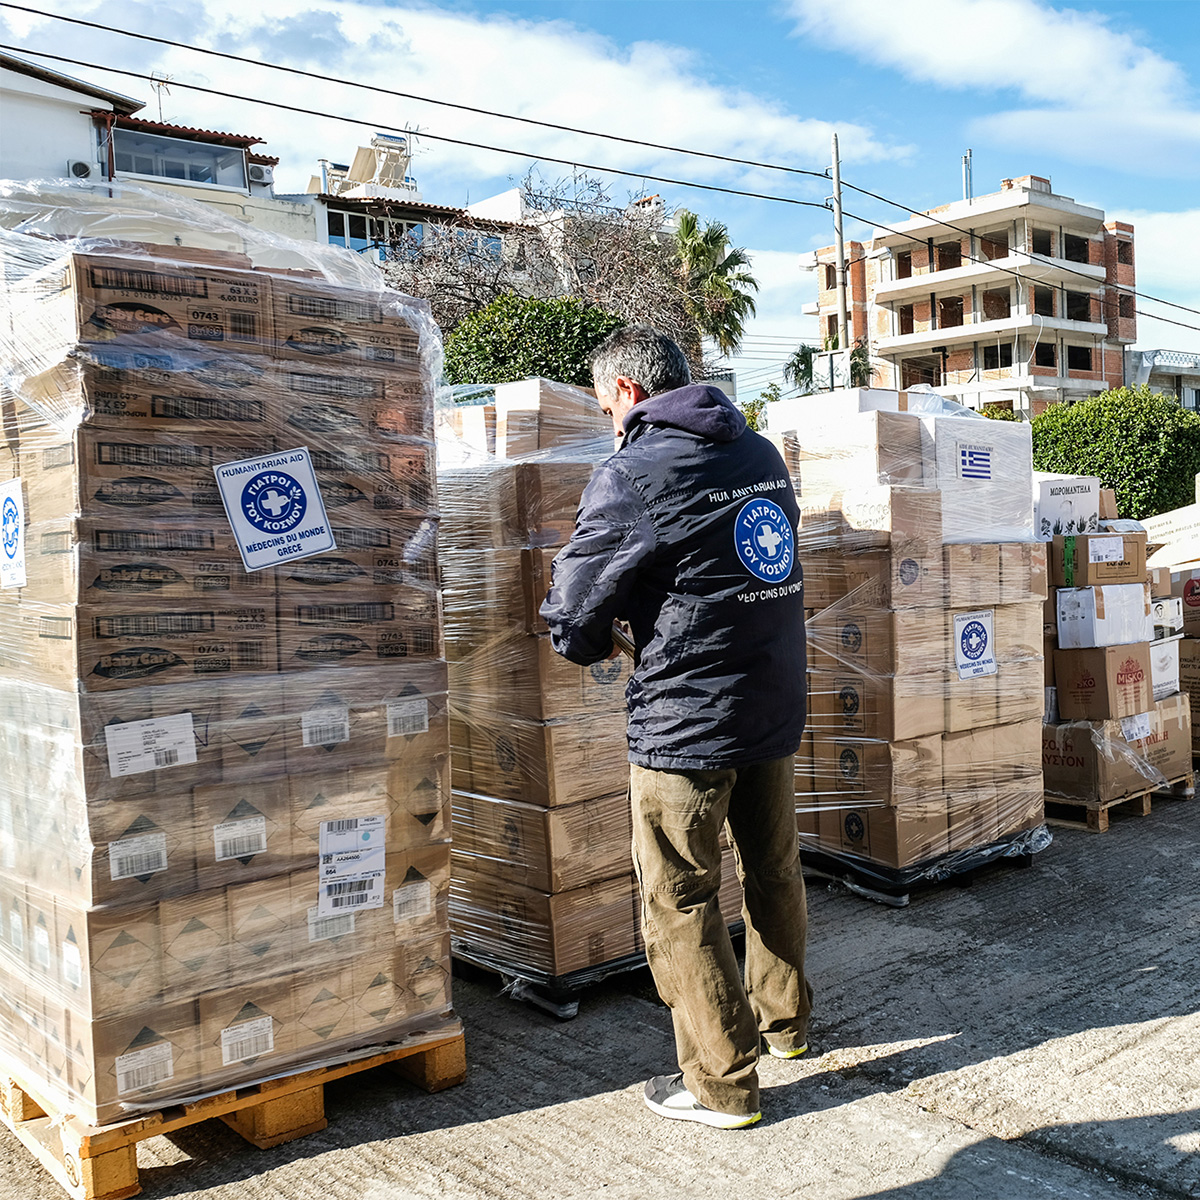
187 745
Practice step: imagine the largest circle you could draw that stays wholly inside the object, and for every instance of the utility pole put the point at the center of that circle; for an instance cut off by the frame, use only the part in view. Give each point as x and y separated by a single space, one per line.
843 333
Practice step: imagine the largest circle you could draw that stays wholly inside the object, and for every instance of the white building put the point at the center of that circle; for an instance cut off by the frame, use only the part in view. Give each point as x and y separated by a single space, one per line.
1171 372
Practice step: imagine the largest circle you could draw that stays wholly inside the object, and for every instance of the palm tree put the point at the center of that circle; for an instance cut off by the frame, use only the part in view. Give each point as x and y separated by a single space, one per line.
798 370
716 281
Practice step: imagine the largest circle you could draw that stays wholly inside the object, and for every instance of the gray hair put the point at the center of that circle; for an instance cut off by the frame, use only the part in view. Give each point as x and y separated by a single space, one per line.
643 354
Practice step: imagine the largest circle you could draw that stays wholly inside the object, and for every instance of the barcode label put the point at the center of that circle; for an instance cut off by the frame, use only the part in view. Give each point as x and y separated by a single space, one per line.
352 861
140 1069
124 540
145 854
250 654
243 326
72 964
351 893
347 826
412 901
326 726
406 717
41 947
16 932
1106 549
1133 729
138 746
240 839
154 624
125 279
321 928
247 1039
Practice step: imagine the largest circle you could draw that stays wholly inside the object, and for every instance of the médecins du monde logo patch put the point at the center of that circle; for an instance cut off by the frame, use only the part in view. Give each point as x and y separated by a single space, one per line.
764 541
274 501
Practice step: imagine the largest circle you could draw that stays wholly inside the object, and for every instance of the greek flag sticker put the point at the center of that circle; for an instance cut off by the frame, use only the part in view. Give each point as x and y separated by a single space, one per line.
765 543
974 462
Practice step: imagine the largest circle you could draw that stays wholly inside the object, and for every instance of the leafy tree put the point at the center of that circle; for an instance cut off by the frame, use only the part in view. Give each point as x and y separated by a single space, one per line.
798 370
515 337
1000 412
755 410
1136 441
716 280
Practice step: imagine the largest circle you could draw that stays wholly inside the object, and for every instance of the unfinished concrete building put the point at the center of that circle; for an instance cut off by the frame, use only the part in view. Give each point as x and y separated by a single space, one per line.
1020 298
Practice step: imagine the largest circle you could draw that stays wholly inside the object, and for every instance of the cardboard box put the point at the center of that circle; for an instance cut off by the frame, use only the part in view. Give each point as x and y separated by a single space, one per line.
879 772
363 477
266 930
1189 676
1185 583
1019 690
1109 615
1023 572
1020 803
323 1000
405 572
536 414
427 978
1164 667
972 818
891 707
893 837
418 892
322 402
557 934
825 580
474 425
1098 558
1065 504
871 518
1108 504
870 448
1077 767
1096 684
195 940
911 576
490 594
972 575
1177 533
249 736
1160 582
109 958
243 831
550 849
245 1030
1167 615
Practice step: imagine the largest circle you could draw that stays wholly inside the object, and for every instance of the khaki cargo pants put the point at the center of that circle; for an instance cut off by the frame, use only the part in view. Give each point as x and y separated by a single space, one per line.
677 819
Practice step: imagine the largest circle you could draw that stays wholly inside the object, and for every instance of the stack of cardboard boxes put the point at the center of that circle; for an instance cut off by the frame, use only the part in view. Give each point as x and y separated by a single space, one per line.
542 881
224 795
925 590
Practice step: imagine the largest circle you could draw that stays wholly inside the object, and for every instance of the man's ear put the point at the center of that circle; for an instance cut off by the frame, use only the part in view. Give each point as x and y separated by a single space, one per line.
631 389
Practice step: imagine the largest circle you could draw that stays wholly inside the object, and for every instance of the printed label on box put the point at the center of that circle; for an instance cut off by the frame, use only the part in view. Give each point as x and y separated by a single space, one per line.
974 461
412 901
407 717
240 839
275 508
1133 729
975 644
16 932
137 746
247 1039
145 854
41 947
325 726
72 964
140 1069
1106 550
321 928
352 853
12 535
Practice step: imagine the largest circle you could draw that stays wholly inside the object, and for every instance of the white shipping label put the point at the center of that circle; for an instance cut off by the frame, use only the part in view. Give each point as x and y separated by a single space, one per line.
72 964
350 895
326 726
275 508
975 644
137 746
140 1069
16 932
12 535
240 839
412 901
406 717
352 861
321 929
247 1039
41 947
145 854
1106 549
975 461
1135 728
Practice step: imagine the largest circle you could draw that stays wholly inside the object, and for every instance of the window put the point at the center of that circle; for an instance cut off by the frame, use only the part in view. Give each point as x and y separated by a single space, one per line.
920 370
831 330
356 227
1079 306
949 256
136 153
904 264
996 305
995 357
1044 355
994 245
1043 242
1043 301
950 311
830 277
905 313
1125 305
1191 398
1079 358
1125 253
1075 248
336 223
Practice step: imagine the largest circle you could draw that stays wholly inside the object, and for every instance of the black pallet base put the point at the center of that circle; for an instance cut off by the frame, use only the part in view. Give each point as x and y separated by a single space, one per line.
894 886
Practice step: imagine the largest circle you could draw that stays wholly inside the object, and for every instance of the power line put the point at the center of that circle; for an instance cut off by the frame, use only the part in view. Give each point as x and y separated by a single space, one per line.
311 112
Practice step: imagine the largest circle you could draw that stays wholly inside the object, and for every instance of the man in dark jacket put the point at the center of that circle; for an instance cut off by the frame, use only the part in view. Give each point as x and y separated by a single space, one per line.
688 534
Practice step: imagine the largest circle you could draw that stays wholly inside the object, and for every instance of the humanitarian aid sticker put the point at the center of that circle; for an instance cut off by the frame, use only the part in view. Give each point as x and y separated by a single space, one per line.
12 535
1106 549
1133 729
275 508
352 862
974 461
974 644
151 745
765 543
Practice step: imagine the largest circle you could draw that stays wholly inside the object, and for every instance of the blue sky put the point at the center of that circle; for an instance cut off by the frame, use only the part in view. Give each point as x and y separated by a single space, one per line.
1102 98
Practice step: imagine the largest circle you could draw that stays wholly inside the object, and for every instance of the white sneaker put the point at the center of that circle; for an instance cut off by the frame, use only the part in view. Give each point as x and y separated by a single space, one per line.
666 1095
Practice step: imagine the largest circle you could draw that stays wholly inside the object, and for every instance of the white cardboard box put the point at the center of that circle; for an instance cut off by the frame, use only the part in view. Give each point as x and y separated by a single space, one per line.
1110 615
1164 667
1064 504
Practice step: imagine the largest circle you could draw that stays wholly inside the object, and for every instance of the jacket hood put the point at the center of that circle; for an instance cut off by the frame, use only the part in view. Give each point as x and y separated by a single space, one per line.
696 408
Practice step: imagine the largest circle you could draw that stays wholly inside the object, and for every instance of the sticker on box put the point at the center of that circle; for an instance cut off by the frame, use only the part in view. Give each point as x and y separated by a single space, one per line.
326 726
132 857
247 1039
1133 729
975 644
275 508
240 839
150 745
12 535
412 901
140 1069
322 929
407 717
1106 549
974 461
72 964
352 862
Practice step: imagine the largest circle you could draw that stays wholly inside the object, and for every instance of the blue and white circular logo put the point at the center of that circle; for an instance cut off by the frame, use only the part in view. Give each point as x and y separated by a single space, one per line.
765 543
274 502
974 640
10 527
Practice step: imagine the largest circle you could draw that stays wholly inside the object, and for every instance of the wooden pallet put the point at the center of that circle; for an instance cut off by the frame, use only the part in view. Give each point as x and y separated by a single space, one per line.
1093 814
99 1162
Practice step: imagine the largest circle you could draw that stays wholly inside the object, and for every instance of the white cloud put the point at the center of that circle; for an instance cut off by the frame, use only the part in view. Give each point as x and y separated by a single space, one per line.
1091 91
549 70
